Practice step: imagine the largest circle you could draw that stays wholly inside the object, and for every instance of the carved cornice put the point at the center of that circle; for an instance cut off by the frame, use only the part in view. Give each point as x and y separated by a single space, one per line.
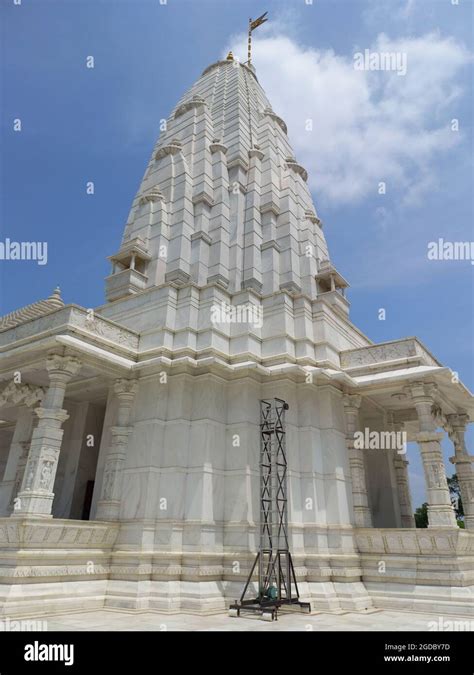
104 329
395 350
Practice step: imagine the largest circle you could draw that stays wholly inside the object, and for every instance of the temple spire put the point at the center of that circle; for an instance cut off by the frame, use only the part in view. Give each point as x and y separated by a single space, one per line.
224 199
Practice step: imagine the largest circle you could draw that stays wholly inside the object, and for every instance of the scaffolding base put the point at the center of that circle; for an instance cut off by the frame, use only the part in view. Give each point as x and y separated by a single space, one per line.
267 609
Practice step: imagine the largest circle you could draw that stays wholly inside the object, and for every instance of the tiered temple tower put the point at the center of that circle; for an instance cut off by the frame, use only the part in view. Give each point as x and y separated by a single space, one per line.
224 219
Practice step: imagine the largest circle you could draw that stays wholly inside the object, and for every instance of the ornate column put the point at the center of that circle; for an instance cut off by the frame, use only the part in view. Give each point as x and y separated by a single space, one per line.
21 436
20 472
362 515
26 396
108 507
36 495
440 510
462 460
403 488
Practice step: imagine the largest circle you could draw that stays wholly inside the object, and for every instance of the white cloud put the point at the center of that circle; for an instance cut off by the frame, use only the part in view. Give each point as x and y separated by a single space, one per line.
399 11
367 126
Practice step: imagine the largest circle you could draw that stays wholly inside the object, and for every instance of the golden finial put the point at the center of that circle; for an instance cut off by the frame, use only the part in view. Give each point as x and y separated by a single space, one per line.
230 56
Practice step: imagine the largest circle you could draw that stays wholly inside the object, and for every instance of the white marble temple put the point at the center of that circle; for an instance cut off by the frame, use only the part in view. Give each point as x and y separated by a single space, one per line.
141 486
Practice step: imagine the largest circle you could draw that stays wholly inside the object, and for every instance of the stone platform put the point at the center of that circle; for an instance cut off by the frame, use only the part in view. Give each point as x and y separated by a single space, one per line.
49 566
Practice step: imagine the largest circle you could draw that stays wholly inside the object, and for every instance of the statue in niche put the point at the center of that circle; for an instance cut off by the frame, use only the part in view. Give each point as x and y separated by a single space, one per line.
108 484
30 476
46 473
434 476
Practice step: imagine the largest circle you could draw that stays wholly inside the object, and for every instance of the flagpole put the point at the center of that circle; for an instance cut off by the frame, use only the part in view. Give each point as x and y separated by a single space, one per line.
249 54
252 25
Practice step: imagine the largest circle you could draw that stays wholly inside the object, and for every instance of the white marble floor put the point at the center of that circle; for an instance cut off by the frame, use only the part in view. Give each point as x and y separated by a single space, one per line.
372 620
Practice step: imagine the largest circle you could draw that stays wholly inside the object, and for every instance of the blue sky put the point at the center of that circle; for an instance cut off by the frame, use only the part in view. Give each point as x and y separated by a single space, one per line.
100 124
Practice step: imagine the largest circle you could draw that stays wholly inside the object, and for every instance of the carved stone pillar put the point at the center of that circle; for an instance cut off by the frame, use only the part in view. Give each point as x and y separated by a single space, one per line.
36 495
108 507
462 460
20 472
440 510
403 489
362 515
21 437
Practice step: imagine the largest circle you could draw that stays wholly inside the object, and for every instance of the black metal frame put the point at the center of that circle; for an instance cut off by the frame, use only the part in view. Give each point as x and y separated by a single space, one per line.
277 586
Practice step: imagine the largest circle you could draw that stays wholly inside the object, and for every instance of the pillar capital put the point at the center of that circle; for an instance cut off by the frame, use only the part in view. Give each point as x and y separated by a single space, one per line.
421 392
352 401
63 367
124 388
455 427
466 459
125 391
458 421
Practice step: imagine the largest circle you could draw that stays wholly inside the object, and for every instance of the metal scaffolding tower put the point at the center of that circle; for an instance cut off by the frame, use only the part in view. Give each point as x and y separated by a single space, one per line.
277 585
